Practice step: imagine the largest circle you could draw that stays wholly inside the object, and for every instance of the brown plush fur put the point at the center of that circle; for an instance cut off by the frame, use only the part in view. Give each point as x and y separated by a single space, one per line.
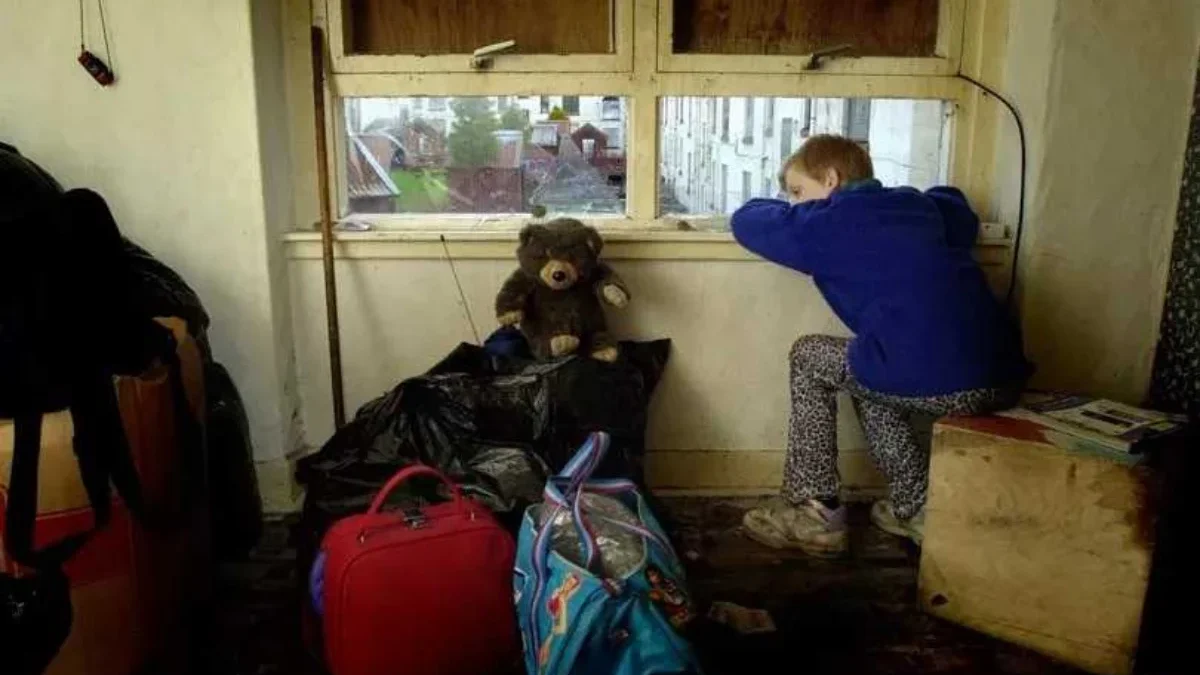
556 293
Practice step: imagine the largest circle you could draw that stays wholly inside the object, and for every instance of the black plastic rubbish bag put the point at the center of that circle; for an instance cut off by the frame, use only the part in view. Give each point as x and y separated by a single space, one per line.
154 289
236 511
35 619
24 186
160 291
496 424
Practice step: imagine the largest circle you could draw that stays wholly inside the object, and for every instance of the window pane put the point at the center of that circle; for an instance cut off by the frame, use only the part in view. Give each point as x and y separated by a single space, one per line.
720 155
871 27
425 27
475 155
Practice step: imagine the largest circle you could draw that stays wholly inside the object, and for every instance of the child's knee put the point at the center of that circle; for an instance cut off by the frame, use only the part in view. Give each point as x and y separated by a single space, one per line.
808 348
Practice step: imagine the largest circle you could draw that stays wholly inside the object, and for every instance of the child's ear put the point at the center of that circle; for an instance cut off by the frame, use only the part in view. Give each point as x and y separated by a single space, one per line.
832 178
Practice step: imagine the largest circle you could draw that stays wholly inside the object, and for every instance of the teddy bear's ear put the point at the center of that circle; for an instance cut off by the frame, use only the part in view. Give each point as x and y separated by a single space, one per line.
594 240
530 231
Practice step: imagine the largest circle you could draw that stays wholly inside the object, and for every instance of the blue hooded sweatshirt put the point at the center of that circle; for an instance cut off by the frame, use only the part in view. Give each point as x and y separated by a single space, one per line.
895 265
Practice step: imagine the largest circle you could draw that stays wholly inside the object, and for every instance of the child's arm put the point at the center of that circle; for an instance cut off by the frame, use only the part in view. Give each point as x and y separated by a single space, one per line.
962 225
786 234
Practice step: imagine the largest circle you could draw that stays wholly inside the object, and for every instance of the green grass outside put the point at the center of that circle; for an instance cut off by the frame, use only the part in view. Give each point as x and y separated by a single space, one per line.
421 190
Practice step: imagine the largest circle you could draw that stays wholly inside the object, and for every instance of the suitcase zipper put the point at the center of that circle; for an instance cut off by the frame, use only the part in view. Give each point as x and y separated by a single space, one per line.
414 519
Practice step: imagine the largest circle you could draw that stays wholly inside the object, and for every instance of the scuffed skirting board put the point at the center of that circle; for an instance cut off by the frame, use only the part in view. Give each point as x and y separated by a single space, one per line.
747 472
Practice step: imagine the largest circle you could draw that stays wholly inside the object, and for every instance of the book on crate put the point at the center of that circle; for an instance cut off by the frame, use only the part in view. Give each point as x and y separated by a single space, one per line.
1107 426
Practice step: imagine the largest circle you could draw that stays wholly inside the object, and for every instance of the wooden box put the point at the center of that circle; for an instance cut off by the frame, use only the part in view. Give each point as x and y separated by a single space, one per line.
1036 543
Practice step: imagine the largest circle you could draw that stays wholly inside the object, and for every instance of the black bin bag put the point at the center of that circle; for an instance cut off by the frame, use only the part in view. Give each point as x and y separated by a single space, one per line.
495 424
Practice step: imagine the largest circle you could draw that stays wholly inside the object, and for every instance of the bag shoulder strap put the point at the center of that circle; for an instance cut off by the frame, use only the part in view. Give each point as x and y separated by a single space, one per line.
103 454
21 507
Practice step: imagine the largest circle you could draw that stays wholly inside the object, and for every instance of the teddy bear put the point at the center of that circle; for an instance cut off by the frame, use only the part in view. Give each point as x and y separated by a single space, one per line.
556 293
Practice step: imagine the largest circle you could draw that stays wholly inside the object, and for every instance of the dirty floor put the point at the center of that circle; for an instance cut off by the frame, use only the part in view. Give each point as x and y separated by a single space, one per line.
852 616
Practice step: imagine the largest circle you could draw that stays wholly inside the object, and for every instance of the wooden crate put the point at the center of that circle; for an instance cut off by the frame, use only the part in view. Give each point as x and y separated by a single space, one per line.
1037 544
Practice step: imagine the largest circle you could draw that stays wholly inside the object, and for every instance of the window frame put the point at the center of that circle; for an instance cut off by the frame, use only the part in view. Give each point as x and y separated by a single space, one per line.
851 128
647 80
946 60
749 119
620 60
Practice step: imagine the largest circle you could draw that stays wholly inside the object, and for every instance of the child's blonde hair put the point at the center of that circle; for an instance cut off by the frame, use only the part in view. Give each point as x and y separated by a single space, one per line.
826 151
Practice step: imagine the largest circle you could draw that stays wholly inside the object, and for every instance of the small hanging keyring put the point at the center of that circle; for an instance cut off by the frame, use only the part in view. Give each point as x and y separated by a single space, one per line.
96 67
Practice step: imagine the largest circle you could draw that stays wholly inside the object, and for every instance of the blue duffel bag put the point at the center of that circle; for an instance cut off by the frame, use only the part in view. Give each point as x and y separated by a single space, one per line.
577 617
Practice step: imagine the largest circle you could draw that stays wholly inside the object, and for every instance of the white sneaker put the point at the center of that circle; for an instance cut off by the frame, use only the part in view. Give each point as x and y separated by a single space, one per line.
885 519
811 527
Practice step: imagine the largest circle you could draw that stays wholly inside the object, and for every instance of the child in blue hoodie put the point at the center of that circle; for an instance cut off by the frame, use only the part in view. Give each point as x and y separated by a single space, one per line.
895 265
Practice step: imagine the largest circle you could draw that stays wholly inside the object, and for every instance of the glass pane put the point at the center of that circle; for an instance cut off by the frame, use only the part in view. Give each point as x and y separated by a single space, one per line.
868 27
717 152
425 27
485 154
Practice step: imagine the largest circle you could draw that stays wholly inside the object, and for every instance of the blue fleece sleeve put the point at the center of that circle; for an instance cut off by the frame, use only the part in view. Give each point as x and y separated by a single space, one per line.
962 225
790 235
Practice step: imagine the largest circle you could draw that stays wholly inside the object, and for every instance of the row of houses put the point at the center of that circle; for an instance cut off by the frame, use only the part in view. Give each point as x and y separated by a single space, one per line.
717 152
563 164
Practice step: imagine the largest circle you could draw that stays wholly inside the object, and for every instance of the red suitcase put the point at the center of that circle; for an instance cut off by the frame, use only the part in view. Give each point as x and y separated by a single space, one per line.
422 591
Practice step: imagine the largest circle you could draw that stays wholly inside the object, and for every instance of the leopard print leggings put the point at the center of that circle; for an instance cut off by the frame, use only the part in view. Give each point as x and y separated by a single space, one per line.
819 369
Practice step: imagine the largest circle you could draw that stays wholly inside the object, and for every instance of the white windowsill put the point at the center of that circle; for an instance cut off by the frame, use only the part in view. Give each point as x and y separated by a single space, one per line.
497 243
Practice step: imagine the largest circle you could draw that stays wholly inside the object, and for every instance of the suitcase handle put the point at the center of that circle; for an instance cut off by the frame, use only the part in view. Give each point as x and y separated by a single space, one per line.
403 475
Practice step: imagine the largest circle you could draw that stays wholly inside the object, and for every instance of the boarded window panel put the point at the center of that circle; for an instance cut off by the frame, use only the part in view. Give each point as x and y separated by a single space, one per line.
901 28
427 27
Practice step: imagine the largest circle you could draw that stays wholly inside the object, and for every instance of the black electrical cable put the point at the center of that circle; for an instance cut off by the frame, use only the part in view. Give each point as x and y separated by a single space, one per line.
1016 249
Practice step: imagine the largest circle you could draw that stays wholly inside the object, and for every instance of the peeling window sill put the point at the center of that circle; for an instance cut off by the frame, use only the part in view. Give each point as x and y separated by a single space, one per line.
498 243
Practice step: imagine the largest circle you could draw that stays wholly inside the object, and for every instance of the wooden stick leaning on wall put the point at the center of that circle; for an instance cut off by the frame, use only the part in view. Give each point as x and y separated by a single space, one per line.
331 305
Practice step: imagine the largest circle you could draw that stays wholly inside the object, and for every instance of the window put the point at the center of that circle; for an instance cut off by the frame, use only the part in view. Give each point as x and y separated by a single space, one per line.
882 35
610 108
473 159
723 189
906 143
402 72
748 121
787 132
858 119
614 136
440 35
725 119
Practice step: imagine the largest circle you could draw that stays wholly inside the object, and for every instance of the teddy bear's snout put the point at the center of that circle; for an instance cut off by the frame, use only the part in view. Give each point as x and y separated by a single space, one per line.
559 274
